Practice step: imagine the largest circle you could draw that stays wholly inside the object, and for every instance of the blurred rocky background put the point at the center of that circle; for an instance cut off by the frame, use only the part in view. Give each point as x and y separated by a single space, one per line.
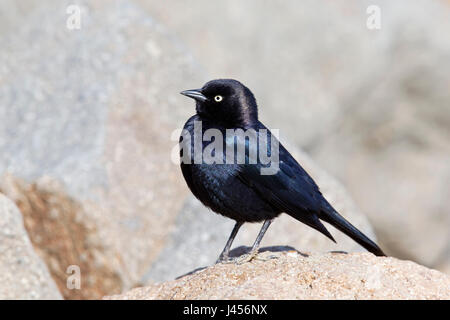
87 119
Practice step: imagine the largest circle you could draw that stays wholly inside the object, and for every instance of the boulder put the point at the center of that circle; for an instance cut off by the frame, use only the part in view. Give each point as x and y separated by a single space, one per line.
93 109
292 275
64 237
23 275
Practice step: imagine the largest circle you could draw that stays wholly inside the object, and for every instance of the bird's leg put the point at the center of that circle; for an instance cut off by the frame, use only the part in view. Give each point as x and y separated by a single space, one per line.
224 255
250 256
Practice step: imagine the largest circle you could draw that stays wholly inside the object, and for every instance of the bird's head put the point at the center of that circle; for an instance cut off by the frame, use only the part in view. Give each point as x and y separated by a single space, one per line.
225 101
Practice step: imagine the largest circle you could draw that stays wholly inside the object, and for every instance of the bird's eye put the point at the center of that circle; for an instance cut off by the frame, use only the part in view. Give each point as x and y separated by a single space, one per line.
218 98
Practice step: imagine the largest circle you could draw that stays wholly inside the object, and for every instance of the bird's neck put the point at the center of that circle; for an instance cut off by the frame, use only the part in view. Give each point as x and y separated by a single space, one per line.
228 123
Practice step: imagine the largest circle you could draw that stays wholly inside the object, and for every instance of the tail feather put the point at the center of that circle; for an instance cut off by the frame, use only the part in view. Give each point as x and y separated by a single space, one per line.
320 227
313 221
336 220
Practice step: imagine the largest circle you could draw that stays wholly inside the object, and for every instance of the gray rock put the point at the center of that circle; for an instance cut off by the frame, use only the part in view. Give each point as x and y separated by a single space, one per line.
95 109
23 275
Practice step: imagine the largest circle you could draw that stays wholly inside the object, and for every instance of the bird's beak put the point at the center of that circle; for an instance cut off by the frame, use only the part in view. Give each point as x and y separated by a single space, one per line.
195 94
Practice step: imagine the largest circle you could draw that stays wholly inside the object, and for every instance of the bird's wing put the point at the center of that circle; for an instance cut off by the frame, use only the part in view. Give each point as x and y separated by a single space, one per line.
290 189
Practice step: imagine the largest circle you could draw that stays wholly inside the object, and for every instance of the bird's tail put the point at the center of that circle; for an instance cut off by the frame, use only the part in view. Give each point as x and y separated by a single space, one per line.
338 221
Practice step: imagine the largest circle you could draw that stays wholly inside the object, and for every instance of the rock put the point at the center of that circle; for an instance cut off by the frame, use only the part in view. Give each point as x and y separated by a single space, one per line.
94 109
445 267
92 112
291 275
370 106
199 234
63 237
23 275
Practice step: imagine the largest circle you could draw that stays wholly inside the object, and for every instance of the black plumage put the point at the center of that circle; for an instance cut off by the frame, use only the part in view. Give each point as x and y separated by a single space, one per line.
238 190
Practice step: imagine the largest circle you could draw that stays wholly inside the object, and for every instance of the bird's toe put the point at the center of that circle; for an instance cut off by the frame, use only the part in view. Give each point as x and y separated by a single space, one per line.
248 257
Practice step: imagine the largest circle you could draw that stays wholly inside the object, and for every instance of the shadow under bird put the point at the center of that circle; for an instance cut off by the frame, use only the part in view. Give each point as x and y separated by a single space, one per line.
238 190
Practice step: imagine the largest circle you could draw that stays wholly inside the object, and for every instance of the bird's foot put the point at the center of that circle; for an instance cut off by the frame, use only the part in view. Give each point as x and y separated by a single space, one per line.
253 256
237 260
248 257
224 259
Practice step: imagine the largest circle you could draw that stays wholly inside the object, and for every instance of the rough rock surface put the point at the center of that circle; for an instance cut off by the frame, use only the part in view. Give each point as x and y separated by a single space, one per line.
199 234
370 106
293 275
23 275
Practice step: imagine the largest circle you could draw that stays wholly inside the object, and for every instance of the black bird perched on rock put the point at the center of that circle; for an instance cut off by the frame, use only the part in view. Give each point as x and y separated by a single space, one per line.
239 190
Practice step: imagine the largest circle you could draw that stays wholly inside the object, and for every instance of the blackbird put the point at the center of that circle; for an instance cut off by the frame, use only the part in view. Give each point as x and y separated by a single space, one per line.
224 152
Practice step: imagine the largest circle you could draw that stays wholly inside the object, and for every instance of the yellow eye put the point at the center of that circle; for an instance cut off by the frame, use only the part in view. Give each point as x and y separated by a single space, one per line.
218 98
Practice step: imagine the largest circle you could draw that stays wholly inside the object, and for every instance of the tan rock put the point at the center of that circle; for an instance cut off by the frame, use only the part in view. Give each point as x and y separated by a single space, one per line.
294 276
23 275
64 237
